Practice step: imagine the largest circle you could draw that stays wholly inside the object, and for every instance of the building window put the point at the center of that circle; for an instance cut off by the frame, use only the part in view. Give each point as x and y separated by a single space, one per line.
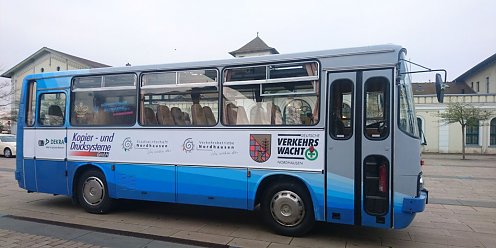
487 84
492 136
472 134
477 86
472 85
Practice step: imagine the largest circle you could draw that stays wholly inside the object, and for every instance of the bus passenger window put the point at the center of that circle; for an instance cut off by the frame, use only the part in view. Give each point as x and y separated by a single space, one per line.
341 109
275 94
52 109
108 100
376 108
182 98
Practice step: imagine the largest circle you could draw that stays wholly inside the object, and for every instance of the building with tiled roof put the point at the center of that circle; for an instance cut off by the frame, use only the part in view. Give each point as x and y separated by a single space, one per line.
44 60
255 47
482 77
453 88
476 86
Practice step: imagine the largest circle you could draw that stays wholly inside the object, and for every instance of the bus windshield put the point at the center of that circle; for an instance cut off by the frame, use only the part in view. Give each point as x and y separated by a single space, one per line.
407 119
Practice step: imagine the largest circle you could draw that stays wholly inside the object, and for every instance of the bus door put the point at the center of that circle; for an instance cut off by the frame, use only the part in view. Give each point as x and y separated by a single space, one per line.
359 148
51 142
375 147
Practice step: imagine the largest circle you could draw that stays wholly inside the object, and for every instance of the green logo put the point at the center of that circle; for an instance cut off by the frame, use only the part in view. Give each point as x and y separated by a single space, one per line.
311 153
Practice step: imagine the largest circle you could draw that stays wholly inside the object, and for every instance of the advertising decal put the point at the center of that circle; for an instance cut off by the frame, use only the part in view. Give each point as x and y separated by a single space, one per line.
236 148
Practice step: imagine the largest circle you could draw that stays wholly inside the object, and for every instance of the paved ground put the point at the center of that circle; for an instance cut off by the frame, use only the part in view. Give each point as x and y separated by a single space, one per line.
462 214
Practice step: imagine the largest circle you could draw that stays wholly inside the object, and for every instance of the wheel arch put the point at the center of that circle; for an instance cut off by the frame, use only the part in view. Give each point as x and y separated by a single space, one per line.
269 179
79 170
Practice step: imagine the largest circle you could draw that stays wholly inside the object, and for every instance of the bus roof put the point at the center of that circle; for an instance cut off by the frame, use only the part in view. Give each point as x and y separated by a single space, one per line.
356 51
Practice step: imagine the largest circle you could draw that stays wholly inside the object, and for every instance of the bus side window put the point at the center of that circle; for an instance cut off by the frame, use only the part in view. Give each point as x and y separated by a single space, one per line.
341 107
179 98
285 94
52 109
108 100
31 104
376 108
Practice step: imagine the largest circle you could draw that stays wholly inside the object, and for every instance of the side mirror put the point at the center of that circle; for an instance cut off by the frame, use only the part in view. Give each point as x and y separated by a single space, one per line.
439 88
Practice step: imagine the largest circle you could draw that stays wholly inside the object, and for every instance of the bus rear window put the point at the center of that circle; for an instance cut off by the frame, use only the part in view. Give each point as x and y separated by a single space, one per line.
31 104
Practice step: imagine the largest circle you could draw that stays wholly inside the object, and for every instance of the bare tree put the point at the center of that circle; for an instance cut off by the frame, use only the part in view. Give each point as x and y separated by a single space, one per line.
6 92
465 114
7 116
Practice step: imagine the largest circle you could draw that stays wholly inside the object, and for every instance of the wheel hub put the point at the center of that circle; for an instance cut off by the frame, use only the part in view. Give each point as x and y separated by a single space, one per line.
287 208
93 191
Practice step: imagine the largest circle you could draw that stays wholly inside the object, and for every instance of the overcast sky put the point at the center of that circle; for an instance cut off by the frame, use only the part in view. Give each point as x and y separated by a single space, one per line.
454 35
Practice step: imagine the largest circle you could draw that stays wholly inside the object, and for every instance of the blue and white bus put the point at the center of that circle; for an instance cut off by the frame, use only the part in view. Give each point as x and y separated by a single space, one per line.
327 136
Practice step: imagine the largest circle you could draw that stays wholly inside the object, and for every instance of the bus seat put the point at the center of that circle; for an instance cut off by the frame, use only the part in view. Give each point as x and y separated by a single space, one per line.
275 115
209 115
150 118
241 118
307 119
102 118
187 120
55 117
164 116
336 126
198 115
178 116
230 114
258 115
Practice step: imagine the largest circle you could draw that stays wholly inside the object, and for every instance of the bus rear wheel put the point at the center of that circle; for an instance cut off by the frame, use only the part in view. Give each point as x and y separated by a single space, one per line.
287 209
92 192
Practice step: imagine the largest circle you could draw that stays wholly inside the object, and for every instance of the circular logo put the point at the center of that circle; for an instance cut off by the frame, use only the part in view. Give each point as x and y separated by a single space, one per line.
127 144
188 145
311 153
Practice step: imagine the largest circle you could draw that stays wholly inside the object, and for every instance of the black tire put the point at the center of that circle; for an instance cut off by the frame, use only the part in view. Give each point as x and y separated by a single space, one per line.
287 208
92 192
7 153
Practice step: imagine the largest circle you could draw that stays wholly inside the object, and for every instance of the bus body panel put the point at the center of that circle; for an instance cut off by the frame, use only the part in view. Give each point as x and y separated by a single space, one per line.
408 176
221 187
146 182
340 199
29 175
51 176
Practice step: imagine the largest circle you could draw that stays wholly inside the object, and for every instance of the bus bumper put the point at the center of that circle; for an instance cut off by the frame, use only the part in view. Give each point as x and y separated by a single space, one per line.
416 204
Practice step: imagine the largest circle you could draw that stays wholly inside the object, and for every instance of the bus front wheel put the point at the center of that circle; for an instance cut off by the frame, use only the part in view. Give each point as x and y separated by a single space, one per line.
92 192
287 208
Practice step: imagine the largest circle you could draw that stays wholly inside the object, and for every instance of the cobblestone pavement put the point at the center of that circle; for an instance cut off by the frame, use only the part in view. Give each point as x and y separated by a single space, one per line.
17 239
461 213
